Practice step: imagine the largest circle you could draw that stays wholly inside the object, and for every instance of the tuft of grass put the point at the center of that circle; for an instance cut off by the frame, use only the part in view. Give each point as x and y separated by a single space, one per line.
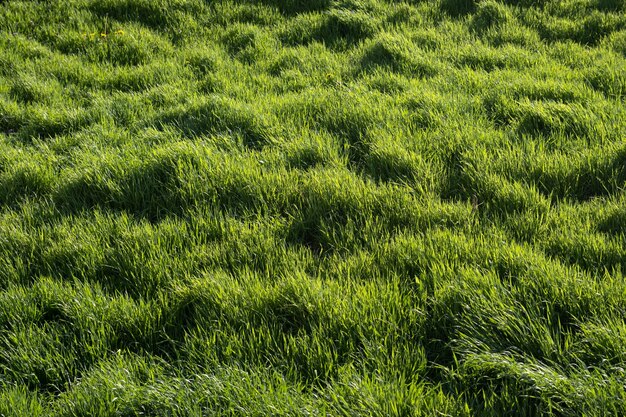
396 54
489 15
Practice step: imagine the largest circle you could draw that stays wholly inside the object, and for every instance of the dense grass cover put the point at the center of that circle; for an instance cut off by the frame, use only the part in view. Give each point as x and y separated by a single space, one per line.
323 207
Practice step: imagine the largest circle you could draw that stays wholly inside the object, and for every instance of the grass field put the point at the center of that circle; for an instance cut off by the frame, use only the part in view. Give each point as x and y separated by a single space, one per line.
312 207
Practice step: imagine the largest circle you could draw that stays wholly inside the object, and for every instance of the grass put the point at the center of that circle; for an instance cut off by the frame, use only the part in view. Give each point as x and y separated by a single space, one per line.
328 207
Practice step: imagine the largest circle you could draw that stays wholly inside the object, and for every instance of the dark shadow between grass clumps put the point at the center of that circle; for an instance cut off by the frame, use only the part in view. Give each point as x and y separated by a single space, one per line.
458 8
306 230
611 5
525 3
294 7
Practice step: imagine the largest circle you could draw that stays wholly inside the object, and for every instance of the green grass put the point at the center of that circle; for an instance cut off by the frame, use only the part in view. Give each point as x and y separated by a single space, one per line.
326 207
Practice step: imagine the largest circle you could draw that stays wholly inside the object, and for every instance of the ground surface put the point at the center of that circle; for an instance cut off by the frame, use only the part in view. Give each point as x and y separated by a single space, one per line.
325 207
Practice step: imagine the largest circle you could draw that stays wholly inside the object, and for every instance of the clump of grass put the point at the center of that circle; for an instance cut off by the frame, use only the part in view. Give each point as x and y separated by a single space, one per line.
313 150
396 54
122 45
159 15
616 42
608 79
11 116
613 221
544 117
27 179
246 42
489 15
586 27
204 59
220 115
337 29
479 57
352 124
255 13
538 118
307 66
388 82
29 90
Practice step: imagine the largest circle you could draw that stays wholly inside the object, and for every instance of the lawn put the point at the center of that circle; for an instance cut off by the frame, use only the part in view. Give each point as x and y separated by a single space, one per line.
312 207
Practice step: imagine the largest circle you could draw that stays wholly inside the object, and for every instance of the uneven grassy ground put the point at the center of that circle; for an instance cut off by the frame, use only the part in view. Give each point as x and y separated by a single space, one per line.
323 207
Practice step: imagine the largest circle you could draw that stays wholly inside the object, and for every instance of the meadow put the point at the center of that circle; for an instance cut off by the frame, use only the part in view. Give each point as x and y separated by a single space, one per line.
312 207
